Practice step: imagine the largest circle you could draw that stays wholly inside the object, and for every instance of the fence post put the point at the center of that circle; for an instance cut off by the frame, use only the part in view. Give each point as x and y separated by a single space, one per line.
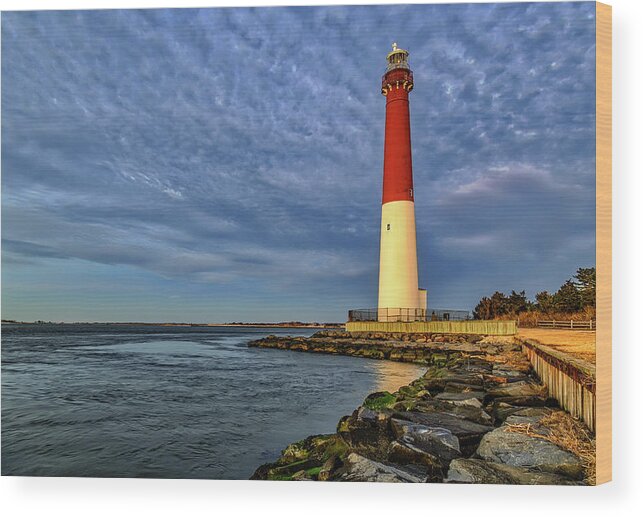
571 324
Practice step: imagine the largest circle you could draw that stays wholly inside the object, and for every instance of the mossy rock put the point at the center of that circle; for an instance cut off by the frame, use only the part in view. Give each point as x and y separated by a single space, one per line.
407 392
405 405
311 447
342 425
440 359
335 448
380 400
285 472
436 372
296 451
373 353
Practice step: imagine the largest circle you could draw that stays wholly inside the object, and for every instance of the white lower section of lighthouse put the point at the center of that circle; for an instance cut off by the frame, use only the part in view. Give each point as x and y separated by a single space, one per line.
399 296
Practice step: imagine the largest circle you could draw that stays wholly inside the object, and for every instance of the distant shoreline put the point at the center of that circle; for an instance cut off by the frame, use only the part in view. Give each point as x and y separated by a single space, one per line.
267 325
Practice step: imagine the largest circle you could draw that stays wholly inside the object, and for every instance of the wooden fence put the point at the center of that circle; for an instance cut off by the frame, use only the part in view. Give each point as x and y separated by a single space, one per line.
567 324
485 327
571 381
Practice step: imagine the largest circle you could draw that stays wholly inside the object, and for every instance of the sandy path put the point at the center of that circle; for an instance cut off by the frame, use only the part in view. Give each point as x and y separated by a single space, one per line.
580 343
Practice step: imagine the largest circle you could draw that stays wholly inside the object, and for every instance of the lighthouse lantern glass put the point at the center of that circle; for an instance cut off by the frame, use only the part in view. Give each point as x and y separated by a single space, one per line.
398 59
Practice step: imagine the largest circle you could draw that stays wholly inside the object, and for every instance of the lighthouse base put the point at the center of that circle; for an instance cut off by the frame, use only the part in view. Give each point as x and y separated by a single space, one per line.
394 314
398 282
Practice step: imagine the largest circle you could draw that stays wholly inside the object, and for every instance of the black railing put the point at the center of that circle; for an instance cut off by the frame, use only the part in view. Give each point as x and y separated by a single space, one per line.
407 314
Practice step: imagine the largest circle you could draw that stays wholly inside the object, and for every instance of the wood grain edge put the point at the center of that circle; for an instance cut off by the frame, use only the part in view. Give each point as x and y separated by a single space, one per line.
603 243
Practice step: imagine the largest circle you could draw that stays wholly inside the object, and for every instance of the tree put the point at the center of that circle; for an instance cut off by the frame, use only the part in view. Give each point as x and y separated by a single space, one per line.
499 305
567 298
483 310
585 282
545 302
517 302
574 295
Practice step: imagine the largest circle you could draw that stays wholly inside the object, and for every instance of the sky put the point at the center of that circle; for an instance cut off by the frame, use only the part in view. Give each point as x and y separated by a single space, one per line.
216 165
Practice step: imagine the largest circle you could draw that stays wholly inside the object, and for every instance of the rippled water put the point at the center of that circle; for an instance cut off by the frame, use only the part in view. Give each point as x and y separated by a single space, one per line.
170 402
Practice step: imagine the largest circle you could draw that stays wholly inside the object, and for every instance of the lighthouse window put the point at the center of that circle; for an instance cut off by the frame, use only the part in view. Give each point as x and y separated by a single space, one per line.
411 192
388 227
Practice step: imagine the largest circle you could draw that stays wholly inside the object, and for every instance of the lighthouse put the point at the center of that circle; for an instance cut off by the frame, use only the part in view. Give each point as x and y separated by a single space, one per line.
400 298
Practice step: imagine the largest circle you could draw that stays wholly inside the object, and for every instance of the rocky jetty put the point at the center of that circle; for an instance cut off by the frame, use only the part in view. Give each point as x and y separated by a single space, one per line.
411 348
478 415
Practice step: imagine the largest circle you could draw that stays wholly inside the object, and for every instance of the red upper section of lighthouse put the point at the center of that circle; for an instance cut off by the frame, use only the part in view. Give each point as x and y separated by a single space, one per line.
398 167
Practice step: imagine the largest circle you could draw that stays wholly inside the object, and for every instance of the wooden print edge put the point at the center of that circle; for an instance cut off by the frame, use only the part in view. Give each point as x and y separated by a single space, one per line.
603 243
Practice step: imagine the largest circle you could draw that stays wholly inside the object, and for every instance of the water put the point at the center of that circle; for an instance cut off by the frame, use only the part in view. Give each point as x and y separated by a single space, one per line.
168 402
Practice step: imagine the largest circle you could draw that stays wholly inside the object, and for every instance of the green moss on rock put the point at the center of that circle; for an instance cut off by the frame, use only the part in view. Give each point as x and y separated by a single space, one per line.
380 400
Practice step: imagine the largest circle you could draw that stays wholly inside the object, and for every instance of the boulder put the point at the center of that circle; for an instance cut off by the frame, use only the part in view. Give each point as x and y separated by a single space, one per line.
532 401
531 416
534 411
465 398
500 411
468 470
467 412
360 468
435 380
521 450
405 454
439 442
328 468
367 431
517 389
528 422
468 433
301 476
280 471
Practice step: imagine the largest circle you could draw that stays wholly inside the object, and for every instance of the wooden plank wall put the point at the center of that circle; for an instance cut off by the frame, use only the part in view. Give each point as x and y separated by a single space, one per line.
495 328
572 382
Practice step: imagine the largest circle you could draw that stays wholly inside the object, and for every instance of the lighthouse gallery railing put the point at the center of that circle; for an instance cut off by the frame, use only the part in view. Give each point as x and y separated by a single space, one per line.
407 314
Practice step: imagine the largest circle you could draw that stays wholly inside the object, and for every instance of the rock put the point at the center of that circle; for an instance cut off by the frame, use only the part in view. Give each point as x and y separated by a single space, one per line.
262 472
360 468
531 416
467 412
501 410
509 375
467 398
530 422
468 433
533 401
407 392
300 476
406 454
534 411
522 420
367 431
520 368
517 389
379 400
437 441
435 380
464 470
280 471
295 452
328 468
521 450
476 366
459 387
311 447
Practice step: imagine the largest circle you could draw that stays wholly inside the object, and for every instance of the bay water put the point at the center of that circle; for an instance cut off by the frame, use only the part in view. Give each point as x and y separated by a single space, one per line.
107 400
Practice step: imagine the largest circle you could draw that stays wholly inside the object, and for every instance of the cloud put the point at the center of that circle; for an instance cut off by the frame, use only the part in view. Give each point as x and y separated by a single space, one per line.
227 146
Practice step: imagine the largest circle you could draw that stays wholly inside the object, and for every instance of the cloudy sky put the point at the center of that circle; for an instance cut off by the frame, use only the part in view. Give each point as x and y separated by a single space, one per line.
226 164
